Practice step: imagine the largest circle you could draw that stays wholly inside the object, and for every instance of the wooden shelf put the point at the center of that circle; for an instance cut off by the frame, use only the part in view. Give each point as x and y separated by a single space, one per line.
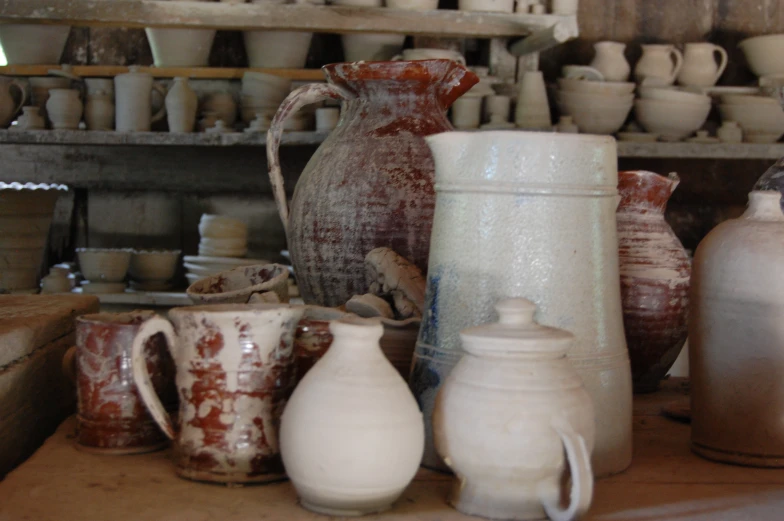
545 30
700 150
109 71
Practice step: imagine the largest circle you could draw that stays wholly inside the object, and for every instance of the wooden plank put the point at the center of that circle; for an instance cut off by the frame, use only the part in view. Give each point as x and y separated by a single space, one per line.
109 71
267 15
544 39
700 150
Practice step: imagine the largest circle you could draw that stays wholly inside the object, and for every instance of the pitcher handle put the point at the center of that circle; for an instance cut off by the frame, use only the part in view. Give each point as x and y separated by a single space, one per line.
141 376
161 113
296 99
722 62
579 459
678 63
22 92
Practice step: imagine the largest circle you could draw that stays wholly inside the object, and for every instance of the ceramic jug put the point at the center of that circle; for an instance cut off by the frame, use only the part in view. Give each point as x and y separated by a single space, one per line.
235 370
736 338
8 107
181 106
610 61
659 65
540 209
30 119
370 183
99 111
64 108
351 436
655 272
133 104
699 65
39 92
505 415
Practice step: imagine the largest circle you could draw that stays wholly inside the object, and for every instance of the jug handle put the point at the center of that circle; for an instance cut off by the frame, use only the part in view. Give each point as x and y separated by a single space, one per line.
678 63
579 458
722 63
162 90
297 99
22 93
141 376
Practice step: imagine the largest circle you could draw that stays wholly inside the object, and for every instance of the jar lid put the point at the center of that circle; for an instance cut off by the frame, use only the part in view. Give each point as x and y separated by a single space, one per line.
515 332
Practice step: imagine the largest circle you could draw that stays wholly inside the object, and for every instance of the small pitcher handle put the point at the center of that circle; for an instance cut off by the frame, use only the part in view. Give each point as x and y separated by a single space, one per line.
162 90
579 459
722 62
22 94
678 63
141 376
298 98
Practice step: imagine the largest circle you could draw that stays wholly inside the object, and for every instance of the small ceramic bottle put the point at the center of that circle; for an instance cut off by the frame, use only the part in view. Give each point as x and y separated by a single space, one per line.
64 108
504 416
31 119
181 106
352 435
566 125
99 111
610 61
533 110
730 132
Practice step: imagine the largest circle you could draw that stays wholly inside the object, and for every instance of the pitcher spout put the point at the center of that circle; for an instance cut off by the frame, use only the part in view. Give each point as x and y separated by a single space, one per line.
645 191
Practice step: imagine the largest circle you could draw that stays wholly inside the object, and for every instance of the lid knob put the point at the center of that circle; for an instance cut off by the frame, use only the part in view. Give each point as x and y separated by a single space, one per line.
515 311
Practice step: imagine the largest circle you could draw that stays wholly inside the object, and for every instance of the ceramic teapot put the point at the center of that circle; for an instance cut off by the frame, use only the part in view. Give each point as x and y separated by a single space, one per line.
8 107
235 371
505 415
659 65
699 65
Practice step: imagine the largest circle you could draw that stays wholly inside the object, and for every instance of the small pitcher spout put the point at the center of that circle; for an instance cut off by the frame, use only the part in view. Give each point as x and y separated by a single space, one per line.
457 81
645 191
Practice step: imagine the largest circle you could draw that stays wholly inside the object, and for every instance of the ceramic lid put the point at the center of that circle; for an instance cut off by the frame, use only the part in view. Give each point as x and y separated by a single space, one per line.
515 333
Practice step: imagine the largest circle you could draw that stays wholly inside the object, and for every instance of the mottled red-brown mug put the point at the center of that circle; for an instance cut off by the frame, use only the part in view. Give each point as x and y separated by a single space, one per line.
235 371
111 417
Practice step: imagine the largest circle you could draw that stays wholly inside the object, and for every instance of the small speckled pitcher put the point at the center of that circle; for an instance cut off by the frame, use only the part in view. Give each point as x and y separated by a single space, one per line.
235 372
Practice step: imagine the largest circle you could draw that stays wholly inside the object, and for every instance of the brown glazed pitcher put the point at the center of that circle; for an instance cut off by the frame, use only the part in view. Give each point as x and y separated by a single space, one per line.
655 272
370 183
235 371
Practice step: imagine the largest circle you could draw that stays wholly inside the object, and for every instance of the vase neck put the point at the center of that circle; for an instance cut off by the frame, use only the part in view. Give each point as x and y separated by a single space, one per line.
764 206
645 192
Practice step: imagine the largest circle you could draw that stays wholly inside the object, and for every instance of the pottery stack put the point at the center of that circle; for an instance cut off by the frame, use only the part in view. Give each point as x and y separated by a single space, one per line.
596 107
671 113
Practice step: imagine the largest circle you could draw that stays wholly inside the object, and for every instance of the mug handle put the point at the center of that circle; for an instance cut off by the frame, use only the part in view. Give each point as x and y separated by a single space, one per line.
22 95
298 98
141 376
69 364
722 62
678 63
161 113
579 459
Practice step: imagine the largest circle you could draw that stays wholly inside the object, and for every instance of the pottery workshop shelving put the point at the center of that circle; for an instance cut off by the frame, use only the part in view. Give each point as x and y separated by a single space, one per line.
211 73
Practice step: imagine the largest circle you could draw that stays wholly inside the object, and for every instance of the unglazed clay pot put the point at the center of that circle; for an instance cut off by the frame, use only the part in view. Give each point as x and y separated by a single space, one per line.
30 119
235 372
736 338
111 416
699 64
64 108
658 65
610 61
181 106
563 187
510 415
223 106
376 153
31 44
133 101
655 272
351 436
99 111
277 49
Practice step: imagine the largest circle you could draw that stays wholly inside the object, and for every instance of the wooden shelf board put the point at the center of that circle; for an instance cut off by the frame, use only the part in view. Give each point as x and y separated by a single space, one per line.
109 71
701 150
261 16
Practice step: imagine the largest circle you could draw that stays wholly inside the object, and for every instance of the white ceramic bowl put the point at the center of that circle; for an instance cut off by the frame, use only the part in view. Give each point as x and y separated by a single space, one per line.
764 54
597 120
590 99
670 120
153 265
27 44
764 123
609 88
180 47
740 99
673 95
104 264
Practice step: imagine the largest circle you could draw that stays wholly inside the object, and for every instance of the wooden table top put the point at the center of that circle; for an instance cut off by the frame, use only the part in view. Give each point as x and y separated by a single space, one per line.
665 482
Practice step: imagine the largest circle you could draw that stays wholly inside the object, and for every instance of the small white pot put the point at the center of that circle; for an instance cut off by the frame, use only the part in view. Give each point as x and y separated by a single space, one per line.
277 49
180 47
30 44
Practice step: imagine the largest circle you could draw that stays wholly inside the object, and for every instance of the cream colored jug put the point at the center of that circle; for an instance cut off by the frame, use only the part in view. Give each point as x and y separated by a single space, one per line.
133 104
659 65
610 61
8 107
504 414
699 65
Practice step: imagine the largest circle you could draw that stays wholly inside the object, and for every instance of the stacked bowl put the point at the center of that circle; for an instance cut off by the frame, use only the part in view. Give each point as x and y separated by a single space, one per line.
672 113
597 107
760 117
262 94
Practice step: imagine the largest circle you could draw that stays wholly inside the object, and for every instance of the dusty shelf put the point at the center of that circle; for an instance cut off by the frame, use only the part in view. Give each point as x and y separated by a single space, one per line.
109 71
701 150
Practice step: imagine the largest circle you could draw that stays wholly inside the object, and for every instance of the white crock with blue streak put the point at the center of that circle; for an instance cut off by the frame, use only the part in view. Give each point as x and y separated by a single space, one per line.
530 215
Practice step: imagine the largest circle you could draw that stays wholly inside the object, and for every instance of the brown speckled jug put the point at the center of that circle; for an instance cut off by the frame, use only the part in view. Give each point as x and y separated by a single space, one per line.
655 272
370 183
